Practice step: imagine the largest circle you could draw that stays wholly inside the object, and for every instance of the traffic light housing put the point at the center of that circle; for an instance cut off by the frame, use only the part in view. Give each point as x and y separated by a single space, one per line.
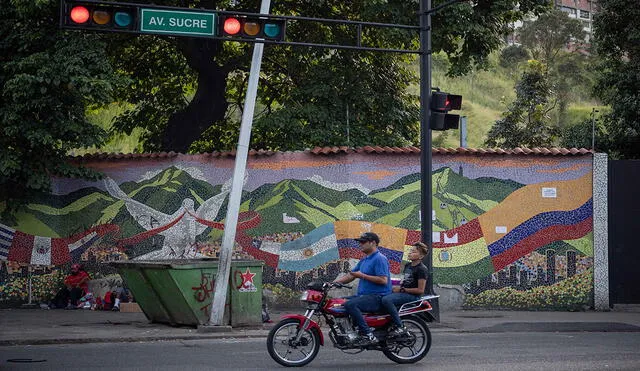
441 104
246 27
98 16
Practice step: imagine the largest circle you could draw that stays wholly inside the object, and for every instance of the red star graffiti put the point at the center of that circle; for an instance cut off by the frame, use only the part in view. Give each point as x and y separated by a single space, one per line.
247 277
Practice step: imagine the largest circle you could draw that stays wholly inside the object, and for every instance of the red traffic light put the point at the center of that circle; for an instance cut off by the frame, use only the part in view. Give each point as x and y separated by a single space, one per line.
231 26
79 14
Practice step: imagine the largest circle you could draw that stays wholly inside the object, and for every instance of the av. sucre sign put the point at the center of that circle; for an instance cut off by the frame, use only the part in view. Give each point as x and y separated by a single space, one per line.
177 22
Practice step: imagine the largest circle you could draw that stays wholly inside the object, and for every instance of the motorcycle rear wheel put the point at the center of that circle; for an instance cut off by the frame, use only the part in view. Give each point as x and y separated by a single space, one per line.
414 348
283 348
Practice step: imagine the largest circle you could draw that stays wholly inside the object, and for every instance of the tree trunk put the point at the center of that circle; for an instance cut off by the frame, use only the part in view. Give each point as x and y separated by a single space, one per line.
209 104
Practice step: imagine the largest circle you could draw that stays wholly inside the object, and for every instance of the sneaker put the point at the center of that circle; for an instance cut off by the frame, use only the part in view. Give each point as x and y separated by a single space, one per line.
364 340
396 331
115 309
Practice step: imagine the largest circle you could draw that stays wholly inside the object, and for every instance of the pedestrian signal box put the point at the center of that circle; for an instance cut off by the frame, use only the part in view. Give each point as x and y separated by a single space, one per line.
441 104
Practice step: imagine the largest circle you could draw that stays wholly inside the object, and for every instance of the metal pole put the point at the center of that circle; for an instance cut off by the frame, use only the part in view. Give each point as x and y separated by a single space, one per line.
231 221
425 140
30 286
463 132
593 128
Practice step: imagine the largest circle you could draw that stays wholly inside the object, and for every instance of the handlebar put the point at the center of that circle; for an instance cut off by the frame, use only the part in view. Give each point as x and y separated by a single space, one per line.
328 285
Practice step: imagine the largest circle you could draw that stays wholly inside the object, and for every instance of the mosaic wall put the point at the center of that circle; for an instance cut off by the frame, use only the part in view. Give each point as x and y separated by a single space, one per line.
512 231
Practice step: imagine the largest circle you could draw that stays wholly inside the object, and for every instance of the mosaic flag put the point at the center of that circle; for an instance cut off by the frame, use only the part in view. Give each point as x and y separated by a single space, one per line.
314 249
38 250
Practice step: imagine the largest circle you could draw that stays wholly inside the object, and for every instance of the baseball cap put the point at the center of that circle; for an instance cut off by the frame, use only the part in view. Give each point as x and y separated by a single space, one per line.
368 236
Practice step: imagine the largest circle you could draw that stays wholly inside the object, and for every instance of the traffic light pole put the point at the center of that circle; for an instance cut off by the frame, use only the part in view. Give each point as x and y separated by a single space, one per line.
233 209
425 143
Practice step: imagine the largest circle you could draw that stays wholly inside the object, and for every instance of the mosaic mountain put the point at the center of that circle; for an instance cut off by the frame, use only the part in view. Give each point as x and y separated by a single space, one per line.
287 206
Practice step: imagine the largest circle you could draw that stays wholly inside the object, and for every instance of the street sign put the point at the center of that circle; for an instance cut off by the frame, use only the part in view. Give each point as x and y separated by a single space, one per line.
177 22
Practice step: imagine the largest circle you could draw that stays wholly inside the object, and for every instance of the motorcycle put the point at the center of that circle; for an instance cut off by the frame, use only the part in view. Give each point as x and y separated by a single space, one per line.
295 341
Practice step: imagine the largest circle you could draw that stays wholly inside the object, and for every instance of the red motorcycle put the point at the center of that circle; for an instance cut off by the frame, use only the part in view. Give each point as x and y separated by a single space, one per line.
295 341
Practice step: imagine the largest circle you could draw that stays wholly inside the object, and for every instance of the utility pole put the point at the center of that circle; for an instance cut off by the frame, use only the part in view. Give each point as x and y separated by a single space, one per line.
425 141
231 221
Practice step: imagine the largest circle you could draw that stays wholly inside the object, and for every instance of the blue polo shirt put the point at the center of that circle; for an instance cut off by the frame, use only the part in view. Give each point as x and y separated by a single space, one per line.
375 264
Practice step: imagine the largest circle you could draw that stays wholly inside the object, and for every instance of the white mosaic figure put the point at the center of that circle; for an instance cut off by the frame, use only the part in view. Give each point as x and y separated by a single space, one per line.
179 238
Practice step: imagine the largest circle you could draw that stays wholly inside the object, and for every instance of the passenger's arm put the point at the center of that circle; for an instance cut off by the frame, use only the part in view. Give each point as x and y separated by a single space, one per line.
422 283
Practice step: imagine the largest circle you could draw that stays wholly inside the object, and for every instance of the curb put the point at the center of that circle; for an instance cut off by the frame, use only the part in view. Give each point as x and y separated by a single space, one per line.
134 339
258 333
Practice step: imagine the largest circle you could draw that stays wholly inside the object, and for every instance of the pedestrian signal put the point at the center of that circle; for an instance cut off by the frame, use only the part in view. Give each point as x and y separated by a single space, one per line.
441 104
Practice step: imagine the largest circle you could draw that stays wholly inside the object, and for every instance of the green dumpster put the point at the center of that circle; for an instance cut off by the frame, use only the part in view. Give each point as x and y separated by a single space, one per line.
180 292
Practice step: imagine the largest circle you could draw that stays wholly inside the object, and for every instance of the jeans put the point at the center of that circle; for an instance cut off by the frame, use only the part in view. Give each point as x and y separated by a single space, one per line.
391 302
363 303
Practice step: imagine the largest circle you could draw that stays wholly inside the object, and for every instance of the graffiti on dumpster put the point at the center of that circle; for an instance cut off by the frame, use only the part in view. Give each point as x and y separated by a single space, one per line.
202 293
246 281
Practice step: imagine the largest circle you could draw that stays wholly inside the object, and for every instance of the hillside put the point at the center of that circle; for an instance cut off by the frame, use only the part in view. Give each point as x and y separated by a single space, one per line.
486 95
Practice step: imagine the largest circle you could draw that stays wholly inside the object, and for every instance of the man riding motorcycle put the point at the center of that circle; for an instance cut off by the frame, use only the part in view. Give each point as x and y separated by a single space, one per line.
375 282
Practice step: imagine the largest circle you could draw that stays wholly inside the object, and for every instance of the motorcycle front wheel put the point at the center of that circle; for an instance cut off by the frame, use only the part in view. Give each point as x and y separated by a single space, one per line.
412 348
286 350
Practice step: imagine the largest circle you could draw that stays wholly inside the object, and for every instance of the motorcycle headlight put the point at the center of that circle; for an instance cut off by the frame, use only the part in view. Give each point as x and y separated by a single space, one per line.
304 296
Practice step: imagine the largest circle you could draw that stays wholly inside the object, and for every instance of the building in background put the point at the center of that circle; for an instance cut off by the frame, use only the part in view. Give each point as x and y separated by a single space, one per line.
582 10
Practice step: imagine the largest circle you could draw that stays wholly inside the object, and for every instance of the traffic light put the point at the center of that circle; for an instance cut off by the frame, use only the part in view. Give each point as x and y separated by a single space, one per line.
244 27
98 16
441 104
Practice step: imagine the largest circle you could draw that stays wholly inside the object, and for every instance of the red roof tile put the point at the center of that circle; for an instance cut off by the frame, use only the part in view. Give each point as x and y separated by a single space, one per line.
365 149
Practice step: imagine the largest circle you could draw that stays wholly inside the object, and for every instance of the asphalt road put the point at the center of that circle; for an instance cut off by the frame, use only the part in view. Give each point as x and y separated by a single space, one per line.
450 351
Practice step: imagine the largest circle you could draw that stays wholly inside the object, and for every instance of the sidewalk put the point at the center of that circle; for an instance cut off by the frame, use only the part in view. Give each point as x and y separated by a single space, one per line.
37 326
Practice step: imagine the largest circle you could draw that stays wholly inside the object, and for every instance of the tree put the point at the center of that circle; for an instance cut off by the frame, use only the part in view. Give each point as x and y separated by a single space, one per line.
525 123
617 40
512 55
573 79
549 34
555 39
307 94
47 80
585 133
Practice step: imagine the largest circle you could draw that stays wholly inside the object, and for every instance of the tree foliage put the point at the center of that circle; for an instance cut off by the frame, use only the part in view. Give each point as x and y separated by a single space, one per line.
47 80
525 123
617 39
512 55
546 36
307 96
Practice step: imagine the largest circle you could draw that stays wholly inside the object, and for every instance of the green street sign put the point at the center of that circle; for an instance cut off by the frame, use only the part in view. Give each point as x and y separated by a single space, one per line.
177 22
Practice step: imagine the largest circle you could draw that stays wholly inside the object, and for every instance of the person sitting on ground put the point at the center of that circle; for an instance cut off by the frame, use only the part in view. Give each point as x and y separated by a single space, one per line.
76 286
119 295
410 289
375 282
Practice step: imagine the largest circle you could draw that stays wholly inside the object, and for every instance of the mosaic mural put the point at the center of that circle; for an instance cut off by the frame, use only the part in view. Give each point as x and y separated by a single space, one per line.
513 231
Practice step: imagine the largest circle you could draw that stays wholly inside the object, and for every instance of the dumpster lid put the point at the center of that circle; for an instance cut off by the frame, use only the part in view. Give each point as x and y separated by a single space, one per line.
183 263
